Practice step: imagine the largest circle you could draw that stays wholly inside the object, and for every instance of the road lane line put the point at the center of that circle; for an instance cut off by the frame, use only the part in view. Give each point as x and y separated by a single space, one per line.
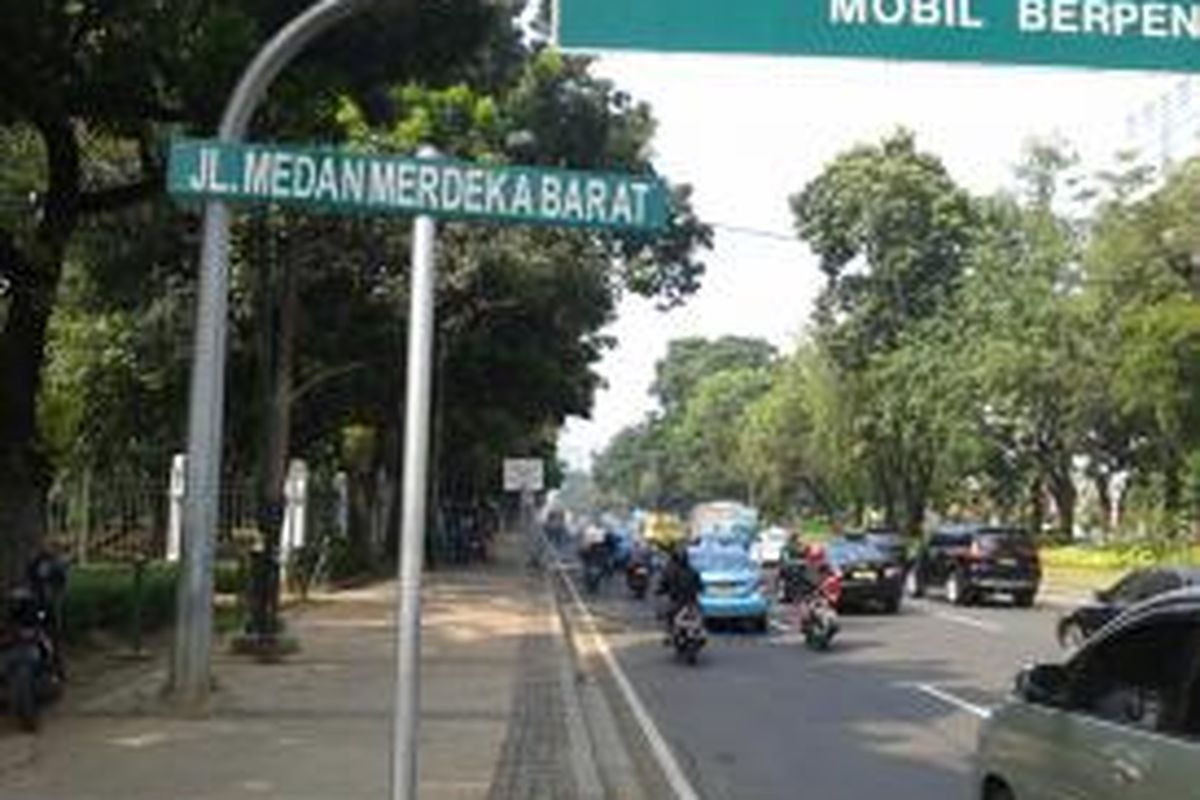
963 619
947 697
675 776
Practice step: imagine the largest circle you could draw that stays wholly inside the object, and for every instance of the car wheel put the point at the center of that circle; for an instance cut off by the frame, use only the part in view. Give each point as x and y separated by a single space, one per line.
892 604
912 583
1023 599
956 590
760 624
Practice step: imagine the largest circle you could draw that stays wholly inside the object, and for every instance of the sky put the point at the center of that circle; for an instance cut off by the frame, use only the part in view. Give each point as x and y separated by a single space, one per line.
748 132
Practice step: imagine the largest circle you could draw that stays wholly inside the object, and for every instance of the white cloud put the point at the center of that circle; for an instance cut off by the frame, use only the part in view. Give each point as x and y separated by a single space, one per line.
749 131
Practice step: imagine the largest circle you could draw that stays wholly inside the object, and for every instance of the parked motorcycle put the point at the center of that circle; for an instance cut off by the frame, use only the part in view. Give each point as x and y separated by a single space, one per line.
687 633
817 609
637 578
29 649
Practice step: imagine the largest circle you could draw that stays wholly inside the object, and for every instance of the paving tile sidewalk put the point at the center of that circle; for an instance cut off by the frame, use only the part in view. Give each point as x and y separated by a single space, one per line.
495 721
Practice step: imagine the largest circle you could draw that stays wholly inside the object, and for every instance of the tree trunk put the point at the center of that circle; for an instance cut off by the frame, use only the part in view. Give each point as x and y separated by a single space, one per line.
1065 495
25 474
1037 506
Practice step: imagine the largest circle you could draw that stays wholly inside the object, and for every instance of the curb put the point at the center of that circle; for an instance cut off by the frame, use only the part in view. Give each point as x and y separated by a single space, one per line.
584 766
636 762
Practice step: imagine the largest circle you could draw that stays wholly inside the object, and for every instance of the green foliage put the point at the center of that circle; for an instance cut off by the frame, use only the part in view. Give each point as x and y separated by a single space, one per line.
977 357
102 597
685 453
891 230
706 435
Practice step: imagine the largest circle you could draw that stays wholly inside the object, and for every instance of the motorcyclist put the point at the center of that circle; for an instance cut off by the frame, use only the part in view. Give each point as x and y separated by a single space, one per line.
593 551
804 567
681 584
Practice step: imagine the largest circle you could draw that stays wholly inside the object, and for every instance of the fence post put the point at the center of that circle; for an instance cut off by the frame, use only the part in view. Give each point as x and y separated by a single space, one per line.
85 517
295 492
175 492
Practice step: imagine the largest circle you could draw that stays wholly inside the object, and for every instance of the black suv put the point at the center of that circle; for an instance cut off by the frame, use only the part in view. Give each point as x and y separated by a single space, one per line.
969 561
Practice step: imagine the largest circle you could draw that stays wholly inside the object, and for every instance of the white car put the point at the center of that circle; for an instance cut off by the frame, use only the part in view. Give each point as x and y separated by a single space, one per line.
1119 721
767 550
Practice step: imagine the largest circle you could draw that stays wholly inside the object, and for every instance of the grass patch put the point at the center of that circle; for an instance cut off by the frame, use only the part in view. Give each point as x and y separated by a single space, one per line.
1119 557
102 597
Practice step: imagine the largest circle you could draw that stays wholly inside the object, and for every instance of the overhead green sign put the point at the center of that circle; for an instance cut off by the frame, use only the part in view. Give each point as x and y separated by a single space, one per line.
1109 34
341 180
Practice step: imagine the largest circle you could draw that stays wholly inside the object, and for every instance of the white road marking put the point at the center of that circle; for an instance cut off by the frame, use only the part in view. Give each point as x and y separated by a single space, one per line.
658 745
963 619
947 697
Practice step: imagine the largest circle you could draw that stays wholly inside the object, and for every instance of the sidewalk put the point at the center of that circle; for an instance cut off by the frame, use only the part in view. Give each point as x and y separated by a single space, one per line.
498 717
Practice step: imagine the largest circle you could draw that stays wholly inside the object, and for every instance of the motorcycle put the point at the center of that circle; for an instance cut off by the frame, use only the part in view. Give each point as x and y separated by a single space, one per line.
817 610
637 578
32 664
595 567
687 633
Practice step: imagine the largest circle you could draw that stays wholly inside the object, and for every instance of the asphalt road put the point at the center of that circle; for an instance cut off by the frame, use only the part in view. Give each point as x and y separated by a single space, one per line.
892 711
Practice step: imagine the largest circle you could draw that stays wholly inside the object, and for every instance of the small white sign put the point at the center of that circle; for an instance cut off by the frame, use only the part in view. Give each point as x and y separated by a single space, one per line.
523 475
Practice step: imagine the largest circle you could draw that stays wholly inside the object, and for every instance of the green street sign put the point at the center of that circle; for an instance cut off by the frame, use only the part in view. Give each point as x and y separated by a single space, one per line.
344 181
1108 34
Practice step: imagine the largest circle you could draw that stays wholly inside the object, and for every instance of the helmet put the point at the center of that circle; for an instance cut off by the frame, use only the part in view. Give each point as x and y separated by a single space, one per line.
814 552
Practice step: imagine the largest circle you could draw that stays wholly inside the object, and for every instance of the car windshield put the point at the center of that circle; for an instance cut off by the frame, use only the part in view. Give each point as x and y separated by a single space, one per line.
846 552
1008 541
719 559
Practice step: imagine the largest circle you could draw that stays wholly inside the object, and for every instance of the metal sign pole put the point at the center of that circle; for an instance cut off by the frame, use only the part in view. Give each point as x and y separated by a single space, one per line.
193 635
412 543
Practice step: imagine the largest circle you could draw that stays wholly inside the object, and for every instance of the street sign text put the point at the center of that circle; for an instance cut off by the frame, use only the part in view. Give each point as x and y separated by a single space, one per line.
1109 34
354 182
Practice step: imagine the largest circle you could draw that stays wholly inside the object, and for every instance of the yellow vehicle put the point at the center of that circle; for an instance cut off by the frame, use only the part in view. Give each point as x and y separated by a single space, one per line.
663 530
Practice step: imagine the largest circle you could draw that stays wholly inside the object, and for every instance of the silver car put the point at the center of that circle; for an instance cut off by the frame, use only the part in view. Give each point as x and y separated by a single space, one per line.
1120 719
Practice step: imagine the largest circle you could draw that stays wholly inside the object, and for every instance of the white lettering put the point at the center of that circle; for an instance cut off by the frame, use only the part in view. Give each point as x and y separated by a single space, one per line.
452 189
473 193
523 197
573 200
427 182
622 207
1154 19
640 190
1064 16
967 19
326 181
305 178
281 175
883 15
1124 17
353 180
382 183
256 178
406 191
1185 21
926 12
597 193
550 197
1095 16
495 192
848 11
1031 15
